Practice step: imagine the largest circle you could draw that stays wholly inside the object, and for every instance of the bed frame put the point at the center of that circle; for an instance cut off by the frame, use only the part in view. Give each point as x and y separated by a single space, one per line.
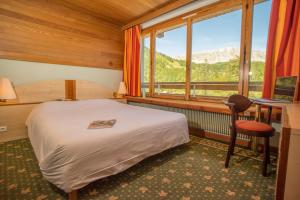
73 195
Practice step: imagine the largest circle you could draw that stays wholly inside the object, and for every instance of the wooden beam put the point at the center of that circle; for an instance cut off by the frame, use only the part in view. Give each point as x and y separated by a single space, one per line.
188 59
152 62
243 47
248 43
157 12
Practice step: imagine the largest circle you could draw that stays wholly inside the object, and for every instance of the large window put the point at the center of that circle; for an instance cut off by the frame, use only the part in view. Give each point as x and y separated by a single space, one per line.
216 55
261 15
210 53
170 64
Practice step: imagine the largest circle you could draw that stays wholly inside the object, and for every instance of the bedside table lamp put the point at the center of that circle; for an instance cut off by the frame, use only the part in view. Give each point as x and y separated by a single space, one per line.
122 90
6 90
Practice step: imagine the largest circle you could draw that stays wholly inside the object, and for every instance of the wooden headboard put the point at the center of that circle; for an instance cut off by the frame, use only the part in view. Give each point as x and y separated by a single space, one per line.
42 91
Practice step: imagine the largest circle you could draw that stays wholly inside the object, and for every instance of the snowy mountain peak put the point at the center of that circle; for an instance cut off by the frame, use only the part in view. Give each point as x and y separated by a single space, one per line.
222 55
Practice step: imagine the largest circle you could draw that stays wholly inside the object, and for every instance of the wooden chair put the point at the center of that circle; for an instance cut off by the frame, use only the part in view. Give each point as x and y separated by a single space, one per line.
238 104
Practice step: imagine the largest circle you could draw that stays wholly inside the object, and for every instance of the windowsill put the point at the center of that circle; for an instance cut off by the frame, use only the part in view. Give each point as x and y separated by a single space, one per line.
211 99
217 107
193 105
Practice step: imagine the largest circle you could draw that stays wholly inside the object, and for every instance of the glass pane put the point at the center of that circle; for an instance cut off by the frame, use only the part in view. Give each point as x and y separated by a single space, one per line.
261 17
145 68
216 55
170 62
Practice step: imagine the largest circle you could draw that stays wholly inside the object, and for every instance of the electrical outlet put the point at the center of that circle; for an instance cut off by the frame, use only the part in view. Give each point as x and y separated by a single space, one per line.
3 128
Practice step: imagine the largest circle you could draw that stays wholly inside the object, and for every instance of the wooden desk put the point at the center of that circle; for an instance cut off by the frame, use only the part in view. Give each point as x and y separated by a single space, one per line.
288 167
270 107
258 115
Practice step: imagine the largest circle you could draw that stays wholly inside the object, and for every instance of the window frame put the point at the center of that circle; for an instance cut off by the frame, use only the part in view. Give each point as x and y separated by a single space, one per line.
172 26
142 59
200 14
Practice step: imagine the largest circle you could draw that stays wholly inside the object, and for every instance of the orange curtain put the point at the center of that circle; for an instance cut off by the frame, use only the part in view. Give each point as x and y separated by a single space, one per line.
132 56
283 48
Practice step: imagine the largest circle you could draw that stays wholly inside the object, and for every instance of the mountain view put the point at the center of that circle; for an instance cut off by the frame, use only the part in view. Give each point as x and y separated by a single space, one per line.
216 66
222 55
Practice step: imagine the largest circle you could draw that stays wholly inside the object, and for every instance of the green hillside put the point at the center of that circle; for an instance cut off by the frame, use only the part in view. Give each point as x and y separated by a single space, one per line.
168 69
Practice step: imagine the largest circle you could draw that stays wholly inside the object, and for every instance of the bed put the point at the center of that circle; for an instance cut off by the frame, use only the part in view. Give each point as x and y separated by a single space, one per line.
71 156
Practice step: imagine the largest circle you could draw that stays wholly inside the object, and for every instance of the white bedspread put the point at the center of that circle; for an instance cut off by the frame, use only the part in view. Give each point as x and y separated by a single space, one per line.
71 156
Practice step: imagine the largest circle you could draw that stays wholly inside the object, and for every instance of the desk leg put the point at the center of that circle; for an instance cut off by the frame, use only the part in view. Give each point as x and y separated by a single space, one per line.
258 113
269 115
254 143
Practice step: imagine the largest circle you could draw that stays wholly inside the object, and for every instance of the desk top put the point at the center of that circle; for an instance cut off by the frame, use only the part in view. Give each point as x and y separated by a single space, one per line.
275 105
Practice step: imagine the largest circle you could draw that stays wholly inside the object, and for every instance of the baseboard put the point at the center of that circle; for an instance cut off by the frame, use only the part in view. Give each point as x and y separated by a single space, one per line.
12 138
225 139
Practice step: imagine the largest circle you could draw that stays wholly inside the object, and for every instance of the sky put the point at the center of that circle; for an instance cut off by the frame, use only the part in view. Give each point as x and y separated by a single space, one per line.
217 33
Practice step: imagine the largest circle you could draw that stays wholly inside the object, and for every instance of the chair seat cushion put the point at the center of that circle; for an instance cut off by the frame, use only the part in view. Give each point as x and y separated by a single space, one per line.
253 126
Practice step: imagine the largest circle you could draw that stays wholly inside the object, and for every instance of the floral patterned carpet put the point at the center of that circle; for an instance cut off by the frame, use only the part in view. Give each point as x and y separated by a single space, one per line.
192 171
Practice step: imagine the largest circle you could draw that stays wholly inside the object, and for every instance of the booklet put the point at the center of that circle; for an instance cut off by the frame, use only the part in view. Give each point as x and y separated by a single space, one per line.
102 124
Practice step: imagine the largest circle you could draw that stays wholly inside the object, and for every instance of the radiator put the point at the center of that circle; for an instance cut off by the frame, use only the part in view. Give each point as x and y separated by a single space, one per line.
212 122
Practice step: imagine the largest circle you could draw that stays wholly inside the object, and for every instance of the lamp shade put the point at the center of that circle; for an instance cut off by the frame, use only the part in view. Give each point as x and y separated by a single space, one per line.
122 89
6 89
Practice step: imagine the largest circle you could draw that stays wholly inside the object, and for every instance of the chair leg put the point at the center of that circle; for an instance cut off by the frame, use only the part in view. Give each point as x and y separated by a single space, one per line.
230 147
266 156
268 152
234 140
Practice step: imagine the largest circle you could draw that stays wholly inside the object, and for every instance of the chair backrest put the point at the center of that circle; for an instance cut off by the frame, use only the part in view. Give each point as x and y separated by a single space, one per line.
239 103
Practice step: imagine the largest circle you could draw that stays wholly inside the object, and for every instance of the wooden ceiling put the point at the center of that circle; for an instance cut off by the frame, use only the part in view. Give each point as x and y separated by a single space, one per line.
119 12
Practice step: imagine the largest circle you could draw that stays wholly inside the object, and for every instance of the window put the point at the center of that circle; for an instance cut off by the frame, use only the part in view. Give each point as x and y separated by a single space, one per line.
205 54
216 55
261 15
170 61
145 66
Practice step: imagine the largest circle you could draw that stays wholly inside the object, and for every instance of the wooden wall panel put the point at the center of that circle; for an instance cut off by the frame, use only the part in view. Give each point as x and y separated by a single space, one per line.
40 91
91 90
47 31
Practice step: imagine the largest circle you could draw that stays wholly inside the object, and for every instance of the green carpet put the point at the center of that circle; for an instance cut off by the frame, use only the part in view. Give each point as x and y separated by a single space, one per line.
192 171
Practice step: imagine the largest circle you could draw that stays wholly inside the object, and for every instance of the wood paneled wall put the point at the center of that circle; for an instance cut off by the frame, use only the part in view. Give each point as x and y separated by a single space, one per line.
51 32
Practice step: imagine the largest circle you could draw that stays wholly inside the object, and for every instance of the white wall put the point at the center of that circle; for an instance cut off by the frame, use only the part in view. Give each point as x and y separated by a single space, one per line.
20 72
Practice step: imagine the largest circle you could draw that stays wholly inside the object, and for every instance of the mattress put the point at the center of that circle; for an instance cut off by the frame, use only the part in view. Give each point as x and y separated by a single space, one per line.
71 156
